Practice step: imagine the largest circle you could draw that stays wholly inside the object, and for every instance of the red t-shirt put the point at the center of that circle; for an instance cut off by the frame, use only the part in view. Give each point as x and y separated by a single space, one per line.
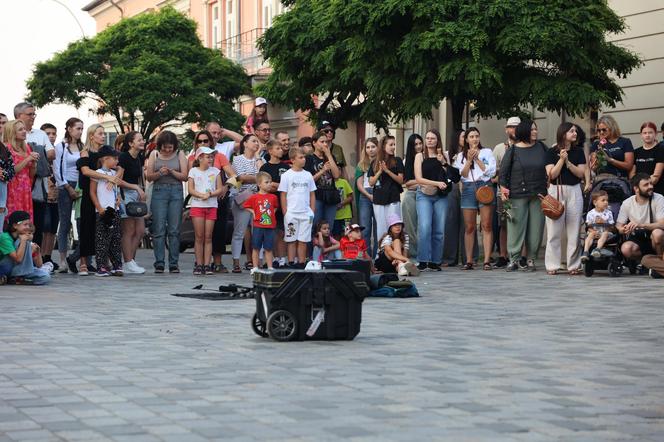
353 249
264 207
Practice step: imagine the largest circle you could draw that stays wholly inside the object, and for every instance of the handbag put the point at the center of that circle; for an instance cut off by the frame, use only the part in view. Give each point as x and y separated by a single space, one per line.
552 207
484 193
136 209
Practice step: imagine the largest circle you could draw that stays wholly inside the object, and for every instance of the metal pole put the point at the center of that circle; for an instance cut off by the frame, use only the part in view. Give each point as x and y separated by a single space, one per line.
72 14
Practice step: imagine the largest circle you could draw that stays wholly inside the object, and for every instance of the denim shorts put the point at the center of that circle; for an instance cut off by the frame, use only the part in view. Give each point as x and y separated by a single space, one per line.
130 196
468 200
262 238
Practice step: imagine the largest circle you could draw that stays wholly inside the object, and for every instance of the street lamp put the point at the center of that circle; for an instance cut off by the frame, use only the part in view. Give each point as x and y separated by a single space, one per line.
72 14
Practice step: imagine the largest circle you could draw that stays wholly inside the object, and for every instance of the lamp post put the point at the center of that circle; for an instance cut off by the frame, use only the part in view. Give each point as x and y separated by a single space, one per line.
73 16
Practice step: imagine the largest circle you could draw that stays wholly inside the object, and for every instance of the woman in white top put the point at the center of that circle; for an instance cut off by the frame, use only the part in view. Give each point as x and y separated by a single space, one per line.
65 173
246 165
477 166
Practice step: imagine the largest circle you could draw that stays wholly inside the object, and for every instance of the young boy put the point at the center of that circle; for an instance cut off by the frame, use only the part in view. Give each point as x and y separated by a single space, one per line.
276 167
298 203
106 199
20 260
352 245
344 209
263 207
599 223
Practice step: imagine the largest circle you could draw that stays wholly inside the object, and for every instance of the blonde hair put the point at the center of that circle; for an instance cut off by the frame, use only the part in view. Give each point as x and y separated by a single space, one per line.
9 135
365 161
88 135
612 124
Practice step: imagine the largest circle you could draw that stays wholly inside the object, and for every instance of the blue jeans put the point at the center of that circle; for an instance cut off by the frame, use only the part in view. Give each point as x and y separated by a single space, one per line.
65 204
431 215
166 207
26 268
319 256
3 203
325 212
367 219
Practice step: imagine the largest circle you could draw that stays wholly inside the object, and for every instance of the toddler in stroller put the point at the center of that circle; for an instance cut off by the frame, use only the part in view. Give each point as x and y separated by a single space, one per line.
607 195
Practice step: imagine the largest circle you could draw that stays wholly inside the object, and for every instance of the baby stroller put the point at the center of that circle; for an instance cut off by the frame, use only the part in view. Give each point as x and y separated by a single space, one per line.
618 190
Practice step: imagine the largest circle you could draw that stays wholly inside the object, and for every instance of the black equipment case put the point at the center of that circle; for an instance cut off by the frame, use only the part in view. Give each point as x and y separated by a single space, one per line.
308 304
358 265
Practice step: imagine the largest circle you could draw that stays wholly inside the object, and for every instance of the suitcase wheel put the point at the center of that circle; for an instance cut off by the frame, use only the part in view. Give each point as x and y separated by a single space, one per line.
282 325
258 326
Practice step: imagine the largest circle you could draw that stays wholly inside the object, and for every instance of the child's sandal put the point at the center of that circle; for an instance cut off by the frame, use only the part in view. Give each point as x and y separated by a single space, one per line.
487 266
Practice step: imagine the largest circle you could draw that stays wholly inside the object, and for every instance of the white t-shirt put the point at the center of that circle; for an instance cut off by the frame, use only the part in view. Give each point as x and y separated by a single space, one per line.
387 241
593 216
486 156
107 198
630 210
499 153
298 186
204 181
226 148
39 137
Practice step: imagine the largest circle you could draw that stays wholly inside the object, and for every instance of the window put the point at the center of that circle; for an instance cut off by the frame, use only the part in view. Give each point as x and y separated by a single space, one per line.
229 7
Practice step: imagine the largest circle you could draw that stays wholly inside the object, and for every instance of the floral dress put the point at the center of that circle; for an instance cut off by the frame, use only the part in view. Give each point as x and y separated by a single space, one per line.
19 189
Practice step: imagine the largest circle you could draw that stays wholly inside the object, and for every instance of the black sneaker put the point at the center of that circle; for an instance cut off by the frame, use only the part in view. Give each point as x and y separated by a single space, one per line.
208 270
501 262
523 263
173 269
56 267
198 270
423 266
435 267
655 274
159 269
512 266
71 263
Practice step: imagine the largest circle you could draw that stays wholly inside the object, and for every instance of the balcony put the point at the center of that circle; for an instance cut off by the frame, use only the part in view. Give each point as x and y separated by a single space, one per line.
241 48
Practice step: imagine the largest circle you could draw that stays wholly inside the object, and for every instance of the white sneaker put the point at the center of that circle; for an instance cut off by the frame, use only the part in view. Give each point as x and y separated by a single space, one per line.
48 267
412 269
402 270
132 267
137 267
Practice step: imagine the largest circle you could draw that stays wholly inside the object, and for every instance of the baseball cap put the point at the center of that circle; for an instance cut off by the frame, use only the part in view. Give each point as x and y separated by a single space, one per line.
204 150
352 227
17 217
325 123
513 121
260 101
393 219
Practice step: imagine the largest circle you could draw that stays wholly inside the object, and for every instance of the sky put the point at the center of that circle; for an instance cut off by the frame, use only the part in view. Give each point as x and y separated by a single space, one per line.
33 31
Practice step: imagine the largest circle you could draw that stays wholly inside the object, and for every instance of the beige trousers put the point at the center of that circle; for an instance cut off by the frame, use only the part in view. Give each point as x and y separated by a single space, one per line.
570 223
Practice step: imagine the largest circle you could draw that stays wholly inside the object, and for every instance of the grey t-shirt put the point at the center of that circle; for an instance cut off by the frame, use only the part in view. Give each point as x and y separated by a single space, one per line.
630 210
523 170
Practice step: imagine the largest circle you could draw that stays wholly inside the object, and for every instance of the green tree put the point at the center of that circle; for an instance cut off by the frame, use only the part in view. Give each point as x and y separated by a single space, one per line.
381 60
145 71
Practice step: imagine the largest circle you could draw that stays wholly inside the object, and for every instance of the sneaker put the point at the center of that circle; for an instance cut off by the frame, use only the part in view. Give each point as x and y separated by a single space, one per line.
159 269
423 267
137 267
132 267
605 253
48 266
402 270
412 269
530 266
283 261
173 269
102 272
655 274
596 253
55 265
435 267
71 264
500 263
198 270
513 266
523 262
91 268
208 270
117 272
585 257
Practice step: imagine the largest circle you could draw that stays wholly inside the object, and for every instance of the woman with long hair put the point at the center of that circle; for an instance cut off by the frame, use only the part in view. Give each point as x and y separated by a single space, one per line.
565 168
65 172
477 166
522 178
414 146
19 189
6 175
323 166
167 170
619 152
130 170
364 194
650 157
386 177
433 178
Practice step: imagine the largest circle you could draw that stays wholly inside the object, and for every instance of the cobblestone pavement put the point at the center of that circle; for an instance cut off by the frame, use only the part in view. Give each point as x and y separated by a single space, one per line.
480 356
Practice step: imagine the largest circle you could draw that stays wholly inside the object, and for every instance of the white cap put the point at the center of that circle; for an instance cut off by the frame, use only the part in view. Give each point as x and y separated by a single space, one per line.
513 121
260 101
204 151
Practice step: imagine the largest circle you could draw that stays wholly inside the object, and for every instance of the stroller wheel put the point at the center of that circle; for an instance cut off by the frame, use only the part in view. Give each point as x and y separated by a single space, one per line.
258 326
615 268
282 325
588 269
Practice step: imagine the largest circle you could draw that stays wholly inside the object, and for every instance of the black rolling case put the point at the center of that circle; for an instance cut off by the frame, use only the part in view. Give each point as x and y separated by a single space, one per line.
357 265
316 304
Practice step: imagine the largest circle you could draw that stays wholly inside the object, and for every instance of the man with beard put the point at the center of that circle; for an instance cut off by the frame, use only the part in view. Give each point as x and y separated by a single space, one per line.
641 219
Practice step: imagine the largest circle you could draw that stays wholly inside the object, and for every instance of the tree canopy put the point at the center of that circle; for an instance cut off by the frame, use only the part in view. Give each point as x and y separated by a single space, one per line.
145 71
381 60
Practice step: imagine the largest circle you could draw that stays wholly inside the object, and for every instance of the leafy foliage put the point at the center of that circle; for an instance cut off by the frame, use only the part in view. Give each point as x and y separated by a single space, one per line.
381 60
146 71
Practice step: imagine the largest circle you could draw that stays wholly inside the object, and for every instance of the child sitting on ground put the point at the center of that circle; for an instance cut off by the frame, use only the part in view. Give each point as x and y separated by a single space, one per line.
352 245
600 226
393 250
20 258
325 246
263 207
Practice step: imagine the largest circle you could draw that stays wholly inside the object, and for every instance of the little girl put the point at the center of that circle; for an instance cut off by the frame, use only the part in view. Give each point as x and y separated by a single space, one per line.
258 115
325 246
204 185
393 250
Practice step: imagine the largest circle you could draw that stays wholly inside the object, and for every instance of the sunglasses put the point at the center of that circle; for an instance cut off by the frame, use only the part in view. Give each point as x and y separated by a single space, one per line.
327 131
203 140
264 130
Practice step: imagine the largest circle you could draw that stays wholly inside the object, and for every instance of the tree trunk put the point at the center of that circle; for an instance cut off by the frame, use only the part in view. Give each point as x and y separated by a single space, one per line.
458 105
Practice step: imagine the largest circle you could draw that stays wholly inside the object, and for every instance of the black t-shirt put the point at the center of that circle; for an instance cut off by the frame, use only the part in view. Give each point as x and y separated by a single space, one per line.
275 170
313 165
386 190
616 151
645 161
133 167
575 156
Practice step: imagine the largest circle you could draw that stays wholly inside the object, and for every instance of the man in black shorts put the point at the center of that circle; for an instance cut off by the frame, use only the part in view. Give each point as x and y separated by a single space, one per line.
641 219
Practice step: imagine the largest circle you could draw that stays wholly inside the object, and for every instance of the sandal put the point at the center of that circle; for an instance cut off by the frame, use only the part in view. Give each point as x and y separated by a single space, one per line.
552 272
237 269
487 266
574 272
248 265
83 270
467 266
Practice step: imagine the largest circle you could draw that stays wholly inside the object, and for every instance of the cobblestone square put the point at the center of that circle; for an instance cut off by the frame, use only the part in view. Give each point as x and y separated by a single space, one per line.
486 356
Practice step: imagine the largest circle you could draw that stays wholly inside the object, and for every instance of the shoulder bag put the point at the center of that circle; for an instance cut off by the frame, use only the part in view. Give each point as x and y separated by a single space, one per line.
552 207
484 193
137 209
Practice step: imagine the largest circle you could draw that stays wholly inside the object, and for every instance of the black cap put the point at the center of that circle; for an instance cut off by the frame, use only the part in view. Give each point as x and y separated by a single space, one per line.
107 151
325 123
17 217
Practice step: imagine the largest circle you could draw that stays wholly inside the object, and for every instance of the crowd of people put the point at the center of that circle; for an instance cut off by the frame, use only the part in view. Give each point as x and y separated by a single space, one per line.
295 202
